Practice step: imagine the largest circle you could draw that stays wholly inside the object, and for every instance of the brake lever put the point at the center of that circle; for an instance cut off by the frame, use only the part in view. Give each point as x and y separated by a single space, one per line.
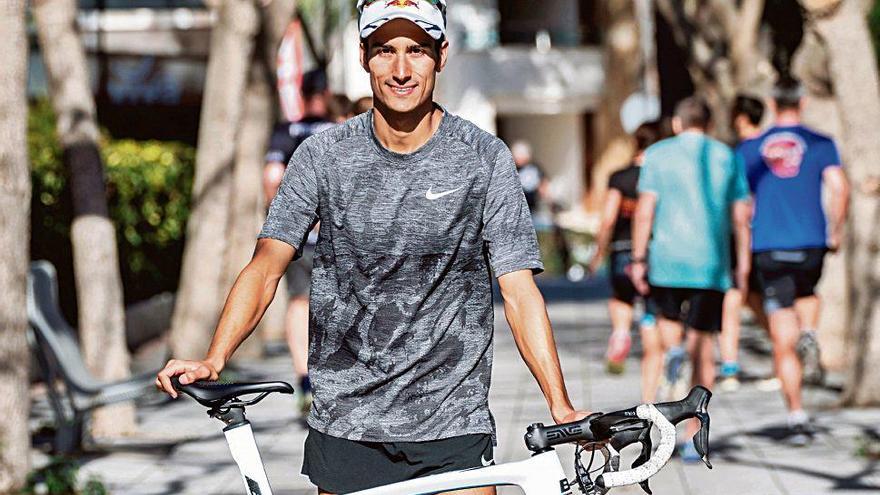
642 436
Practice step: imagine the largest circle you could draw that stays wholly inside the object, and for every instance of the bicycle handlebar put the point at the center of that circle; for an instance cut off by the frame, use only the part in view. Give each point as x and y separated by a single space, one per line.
621 428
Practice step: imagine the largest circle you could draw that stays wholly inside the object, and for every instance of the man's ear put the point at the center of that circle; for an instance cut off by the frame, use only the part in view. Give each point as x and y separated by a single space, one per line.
364 48
444 52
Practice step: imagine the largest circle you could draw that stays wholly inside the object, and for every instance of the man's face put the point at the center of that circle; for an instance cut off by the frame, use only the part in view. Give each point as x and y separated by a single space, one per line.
403 63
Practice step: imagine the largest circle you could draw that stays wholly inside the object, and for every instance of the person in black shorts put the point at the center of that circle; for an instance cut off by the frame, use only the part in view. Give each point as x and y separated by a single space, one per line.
615 237
747 115
788 167
286 138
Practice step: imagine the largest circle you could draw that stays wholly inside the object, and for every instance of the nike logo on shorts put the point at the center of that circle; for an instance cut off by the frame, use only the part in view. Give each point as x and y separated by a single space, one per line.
432 196
485 462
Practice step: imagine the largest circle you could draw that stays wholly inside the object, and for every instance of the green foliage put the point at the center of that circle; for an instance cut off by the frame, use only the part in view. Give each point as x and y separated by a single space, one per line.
148 186
59 477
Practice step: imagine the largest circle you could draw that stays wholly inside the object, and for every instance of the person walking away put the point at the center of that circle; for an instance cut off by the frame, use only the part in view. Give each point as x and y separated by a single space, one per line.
691 190
286 138
787 167
747 115
419 209
615 236
537 191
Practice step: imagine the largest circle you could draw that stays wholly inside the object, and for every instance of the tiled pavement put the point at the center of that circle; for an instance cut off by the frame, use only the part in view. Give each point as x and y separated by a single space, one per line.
186 453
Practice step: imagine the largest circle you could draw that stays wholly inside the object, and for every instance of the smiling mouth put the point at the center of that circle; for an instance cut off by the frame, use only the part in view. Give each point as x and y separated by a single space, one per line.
402 90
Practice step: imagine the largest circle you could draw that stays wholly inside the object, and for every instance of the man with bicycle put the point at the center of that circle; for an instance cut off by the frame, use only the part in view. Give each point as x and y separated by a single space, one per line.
417 208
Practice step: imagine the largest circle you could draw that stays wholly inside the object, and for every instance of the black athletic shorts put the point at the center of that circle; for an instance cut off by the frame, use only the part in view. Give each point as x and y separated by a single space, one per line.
699 309
337 465
621 285
788 275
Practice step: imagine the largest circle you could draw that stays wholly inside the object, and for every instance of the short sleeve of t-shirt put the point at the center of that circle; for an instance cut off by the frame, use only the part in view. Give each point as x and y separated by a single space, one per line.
281 145
828 155
507 224
616 181
740 189
293 212
649 177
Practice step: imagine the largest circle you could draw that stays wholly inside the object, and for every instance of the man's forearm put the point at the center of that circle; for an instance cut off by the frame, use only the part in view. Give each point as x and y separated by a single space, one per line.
527 316
251 294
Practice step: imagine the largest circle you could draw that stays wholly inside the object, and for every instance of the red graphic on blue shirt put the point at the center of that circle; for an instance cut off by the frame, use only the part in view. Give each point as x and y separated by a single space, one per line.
784 153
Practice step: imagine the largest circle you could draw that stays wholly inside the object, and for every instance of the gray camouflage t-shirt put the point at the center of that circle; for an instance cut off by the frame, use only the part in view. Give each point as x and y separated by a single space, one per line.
401 319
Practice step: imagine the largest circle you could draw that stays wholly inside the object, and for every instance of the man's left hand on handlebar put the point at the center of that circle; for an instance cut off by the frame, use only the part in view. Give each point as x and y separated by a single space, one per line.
189 372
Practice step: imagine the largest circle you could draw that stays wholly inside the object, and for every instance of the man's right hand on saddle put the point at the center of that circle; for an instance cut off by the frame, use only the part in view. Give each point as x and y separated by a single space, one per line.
189 372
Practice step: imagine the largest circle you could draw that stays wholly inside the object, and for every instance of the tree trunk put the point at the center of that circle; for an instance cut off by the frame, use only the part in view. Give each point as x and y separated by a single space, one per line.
821 113
95 257
853 70
623 62
261 111
246 204
203 278
15 191
721 42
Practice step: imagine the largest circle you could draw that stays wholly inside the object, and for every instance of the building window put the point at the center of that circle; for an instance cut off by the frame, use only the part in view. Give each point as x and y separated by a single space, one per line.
567 22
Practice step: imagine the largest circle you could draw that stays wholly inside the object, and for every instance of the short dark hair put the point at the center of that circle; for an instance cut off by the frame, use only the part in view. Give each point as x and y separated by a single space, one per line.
751 108
314 83
787 94
646 135
693 112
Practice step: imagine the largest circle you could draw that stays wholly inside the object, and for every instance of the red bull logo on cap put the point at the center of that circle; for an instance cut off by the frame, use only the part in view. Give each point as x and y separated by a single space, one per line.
402 3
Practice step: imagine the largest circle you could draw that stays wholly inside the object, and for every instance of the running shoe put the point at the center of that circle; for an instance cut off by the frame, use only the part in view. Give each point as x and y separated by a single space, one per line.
688 452
808 351
729 376
619 345
674 382
800 435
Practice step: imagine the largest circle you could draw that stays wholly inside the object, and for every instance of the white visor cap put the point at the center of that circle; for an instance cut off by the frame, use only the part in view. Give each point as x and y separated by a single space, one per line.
429 15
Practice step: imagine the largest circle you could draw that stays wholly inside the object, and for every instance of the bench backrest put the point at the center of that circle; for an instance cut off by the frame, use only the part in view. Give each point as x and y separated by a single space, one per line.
52 330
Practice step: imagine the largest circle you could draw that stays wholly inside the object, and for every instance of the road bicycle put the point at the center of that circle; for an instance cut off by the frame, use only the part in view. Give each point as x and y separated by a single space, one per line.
541 474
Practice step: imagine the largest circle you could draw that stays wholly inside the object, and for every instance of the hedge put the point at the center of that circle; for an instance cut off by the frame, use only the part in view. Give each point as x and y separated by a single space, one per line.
148 193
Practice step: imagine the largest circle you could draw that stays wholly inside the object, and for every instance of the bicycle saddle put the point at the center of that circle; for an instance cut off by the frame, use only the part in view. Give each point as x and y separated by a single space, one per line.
216 395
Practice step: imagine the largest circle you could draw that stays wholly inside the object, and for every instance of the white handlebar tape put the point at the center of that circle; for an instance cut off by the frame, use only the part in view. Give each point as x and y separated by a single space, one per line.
656 462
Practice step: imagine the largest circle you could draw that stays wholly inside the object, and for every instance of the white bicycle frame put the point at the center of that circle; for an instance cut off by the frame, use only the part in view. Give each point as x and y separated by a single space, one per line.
541 474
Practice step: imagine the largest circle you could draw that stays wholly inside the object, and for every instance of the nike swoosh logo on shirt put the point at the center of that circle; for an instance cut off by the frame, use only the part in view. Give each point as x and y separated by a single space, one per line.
432 196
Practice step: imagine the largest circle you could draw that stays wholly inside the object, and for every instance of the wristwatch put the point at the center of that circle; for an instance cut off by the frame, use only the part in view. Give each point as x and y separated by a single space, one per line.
639 261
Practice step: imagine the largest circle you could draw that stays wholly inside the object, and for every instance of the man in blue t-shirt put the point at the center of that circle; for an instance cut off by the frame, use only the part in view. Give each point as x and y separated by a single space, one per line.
692 196
787 167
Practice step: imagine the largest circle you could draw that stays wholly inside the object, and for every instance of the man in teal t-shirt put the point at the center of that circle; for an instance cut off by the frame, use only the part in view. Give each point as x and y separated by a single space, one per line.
692 193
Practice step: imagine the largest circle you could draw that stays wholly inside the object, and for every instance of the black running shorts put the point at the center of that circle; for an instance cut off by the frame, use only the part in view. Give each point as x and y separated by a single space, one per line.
699 309
337 465
788 275
621 284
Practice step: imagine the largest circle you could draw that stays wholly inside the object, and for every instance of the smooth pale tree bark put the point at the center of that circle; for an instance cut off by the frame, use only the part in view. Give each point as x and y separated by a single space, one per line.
203 278
853 70
821 113
93 236
275 18
623 63
15 192
246 205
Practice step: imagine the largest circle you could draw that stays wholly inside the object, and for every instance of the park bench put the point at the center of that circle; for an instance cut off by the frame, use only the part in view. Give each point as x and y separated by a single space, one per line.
72 390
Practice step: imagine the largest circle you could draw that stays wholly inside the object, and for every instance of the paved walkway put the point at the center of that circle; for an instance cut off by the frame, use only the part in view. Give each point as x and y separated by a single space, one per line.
187 453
